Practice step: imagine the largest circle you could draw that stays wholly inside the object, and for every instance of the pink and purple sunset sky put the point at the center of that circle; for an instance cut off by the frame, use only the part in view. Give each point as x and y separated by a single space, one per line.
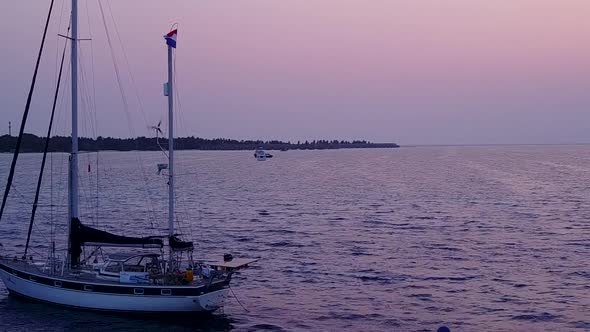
409 71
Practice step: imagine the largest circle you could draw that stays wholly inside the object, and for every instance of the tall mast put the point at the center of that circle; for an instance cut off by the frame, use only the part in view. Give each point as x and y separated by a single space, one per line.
74 163
73 194
170 146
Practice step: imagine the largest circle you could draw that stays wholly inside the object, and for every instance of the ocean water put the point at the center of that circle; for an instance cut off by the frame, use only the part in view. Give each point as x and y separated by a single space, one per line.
480 238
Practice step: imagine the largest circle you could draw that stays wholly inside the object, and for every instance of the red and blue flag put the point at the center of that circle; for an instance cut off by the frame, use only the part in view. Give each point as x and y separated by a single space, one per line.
171 38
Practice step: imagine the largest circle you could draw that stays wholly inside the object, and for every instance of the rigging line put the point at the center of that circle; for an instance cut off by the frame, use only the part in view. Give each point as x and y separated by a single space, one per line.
59 126
117 73
240 303
86 100
134 85
51 221
180 111
94 109
81 90
61 181
61 163
51 207
141 109
43 236
37 253
24 199
126 109
97 188
92 70
51 179
25 115
180 120
21 195
57 39
89 121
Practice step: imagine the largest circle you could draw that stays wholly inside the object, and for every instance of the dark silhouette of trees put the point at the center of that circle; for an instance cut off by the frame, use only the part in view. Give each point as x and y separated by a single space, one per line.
32 143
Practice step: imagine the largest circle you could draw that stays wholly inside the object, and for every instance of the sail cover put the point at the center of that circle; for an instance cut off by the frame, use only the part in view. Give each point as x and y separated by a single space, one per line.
83 235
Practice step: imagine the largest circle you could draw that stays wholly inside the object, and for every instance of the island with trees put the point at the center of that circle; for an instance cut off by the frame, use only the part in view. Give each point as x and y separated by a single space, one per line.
33 143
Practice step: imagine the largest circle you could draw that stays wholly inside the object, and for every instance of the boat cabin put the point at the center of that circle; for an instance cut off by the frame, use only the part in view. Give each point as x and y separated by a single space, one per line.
133 268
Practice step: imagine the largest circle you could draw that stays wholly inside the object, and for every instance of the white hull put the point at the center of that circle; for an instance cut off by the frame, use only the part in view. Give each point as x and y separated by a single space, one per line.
113 302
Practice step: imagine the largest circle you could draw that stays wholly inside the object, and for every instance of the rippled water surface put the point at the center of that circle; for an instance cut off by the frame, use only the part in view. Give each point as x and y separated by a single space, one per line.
493 238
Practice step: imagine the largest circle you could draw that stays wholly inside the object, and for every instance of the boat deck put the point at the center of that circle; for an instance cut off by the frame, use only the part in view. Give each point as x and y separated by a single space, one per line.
91 276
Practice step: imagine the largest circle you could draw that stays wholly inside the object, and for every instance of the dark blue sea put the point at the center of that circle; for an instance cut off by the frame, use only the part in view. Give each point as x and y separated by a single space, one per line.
477 238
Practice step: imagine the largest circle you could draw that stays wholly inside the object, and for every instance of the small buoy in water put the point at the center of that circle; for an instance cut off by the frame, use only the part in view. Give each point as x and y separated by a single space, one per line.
443 329
227 257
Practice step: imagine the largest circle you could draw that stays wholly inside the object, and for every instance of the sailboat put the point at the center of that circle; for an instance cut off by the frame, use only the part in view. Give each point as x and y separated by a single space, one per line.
159 275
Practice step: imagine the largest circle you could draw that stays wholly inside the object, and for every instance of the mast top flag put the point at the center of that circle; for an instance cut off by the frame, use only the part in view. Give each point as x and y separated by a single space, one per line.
171 38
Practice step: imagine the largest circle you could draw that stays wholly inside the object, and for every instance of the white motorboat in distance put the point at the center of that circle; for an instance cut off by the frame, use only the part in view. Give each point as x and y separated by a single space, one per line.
261 155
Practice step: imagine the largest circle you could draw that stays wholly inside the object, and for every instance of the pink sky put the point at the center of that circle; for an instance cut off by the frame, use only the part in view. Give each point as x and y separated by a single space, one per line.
412 71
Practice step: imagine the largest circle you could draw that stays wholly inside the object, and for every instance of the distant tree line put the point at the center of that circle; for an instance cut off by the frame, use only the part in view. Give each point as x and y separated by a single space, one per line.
33 143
